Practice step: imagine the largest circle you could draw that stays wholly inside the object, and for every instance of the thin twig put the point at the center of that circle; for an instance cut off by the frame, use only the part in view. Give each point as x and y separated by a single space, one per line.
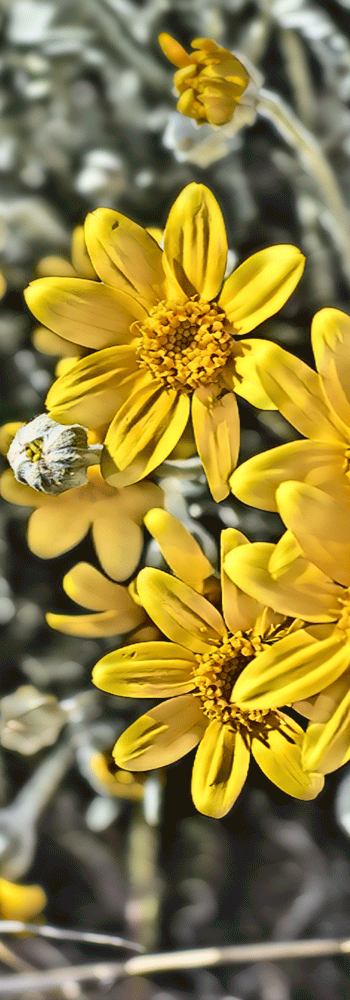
61 934
141 965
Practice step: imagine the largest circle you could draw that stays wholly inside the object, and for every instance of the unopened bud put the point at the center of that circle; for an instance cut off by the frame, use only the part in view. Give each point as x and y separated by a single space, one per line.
51 457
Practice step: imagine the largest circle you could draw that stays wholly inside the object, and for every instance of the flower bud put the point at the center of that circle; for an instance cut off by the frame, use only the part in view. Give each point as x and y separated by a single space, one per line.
51 457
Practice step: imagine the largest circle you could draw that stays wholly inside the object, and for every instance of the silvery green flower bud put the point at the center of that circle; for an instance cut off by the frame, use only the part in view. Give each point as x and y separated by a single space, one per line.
52 457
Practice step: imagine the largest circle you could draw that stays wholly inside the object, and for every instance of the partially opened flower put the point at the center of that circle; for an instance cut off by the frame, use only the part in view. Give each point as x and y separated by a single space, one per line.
163 328
51 457
20 902
214 85
317 405
61 522
306 574
199 670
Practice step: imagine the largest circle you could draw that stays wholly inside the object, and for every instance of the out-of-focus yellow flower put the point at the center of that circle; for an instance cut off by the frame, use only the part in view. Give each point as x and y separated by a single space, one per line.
116 783
61 522
163 328
200 670
308 574
80 266
117 610
114 612
317 405
211 81
20 902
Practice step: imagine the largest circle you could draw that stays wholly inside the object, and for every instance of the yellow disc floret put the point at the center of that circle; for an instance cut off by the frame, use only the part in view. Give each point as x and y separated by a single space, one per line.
215 677
185 345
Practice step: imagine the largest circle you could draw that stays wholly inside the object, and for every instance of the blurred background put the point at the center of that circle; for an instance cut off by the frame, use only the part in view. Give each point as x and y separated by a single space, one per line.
88 118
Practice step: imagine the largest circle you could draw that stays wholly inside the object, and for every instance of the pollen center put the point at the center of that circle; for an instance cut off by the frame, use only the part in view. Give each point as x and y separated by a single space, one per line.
215 677
185 345
34 450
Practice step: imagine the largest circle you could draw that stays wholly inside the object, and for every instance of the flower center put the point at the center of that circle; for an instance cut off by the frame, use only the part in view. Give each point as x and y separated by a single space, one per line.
215 677
34 450
185 345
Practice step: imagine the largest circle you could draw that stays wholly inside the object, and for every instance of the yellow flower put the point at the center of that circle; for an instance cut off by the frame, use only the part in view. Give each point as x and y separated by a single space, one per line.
199 670
117 610
163 329
308 574
211 81
20 902
317 405
61 522
80 267
115 783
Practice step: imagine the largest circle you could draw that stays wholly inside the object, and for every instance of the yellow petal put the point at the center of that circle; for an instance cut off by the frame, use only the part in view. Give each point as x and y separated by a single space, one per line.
195 242
242 374
173 50
182 614
146 670
125 255
20 902
91 391
179 548
7 433
261 286
86 312
55 266
19 493
292 668
320 707
215 420
319 463
240 611
299 590
47 342
87 586
281 761
330 338
96 626
145 430
320 524
118 545
80 257
296 391
162 736
57 527
219 771
327 746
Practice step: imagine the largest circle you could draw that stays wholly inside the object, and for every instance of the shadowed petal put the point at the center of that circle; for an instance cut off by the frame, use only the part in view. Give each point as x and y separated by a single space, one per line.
215 420
85 585
183 615
162 736
241 375
219 771
195 242
146 670
85 312
118 544
58 528
327 746
240 611
321 525
145 430
179 548
280 760
96 626
261 286
125 255
292 668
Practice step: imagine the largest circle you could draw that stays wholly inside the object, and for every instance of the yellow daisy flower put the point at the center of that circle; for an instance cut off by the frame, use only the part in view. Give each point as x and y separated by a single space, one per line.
308 574
317 405
117 610
211 81
79 266
163 329
198 670
61 522
20 902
